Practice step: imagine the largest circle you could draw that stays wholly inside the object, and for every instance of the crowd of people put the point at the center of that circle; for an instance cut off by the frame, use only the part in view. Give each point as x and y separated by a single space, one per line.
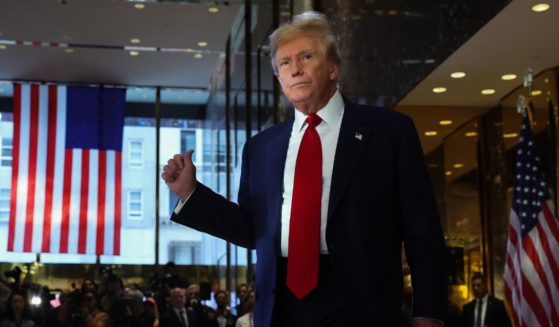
168 301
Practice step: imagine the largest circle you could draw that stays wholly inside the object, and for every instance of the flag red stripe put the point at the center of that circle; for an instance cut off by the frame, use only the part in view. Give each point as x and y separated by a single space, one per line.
551 222
32 167
532 254
15 166
533 301
508 297
548 253
118 196
49 182
514 278
101 202
84 200
66 193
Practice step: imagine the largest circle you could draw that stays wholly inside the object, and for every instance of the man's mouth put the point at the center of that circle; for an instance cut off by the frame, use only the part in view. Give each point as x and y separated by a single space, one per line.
299 84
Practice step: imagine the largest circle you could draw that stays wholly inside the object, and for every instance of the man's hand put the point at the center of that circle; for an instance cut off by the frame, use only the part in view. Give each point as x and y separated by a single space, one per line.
180 175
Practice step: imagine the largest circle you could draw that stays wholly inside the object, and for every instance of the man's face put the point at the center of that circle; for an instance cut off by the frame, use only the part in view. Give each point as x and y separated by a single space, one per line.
307 78
193 293
221 300
178 298
479 288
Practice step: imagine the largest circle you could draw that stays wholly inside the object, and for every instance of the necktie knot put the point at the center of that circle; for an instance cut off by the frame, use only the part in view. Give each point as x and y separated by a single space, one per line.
313 120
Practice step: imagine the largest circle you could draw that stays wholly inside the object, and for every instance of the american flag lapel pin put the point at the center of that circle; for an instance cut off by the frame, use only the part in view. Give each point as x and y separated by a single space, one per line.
358 136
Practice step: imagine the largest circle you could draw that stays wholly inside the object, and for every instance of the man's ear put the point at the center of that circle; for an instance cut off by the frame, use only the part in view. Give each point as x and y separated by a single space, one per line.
333 72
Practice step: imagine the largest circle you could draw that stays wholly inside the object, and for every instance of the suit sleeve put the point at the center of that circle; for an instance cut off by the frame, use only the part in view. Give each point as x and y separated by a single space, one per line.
422 233
209 212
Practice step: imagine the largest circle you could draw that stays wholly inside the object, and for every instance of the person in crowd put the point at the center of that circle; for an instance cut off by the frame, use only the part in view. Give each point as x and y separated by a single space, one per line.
5 292
177 315
88 285
485 310
172 279
194 303
223 314
242 291
327 198
93 315
18 313
151 313
247 320
113 290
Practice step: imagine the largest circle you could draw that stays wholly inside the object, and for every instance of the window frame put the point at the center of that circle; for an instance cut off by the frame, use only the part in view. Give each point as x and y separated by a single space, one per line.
7 210
129 211
135 164
2 157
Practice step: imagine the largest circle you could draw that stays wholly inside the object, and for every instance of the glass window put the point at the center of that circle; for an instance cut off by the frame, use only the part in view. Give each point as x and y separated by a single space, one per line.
4 204
184 252
6 151
135 205
135 153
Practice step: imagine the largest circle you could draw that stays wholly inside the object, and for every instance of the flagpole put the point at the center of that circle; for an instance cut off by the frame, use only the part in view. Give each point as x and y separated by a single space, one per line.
552 149
157 137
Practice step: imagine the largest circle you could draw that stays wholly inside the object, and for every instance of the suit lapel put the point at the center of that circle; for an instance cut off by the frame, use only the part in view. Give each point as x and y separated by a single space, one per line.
353 136
276 155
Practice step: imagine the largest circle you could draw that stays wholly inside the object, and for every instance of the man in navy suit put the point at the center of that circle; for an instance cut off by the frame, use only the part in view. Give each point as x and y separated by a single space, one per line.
327 198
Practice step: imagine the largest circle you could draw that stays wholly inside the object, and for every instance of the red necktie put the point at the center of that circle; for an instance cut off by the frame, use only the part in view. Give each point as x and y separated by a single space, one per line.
304 225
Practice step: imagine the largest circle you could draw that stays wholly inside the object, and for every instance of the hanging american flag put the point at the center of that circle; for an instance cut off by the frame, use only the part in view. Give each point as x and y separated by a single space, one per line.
66 173
532 261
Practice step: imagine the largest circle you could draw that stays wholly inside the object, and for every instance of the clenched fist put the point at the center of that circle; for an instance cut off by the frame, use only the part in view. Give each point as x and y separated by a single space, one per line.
180 175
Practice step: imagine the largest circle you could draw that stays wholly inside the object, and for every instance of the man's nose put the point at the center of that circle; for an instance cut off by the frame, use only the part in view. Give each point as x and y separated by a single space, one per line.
296 69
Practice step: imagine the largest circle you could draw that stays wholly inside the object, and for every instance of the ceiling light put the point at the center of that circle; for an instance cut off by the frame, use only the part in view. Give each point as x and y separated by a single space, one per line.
134 40
2 47
445 122
198 55
431 133
134 53
471 134
139 6
458 165
540 7
535 93
439 89
510 135
202 44
448 173
508 77
488 91
458 75
69 50
213 10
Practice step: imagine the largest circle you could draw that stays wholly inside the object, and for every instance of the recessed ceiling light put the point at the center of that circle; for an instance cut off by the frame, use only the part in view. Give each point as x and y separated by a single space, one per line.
540 7
202 44
471 134
134 53
439 89
198 55
488 91
213 10
139 6
431 133
458 75
448 173
536 93
134 40
69 50
2 47
458 165
508 77
445 122
510 135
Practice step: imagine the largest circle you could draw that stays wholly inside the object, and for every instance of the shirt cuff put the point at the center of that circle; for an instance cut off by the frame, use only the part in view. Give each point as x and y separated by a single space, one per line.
181 203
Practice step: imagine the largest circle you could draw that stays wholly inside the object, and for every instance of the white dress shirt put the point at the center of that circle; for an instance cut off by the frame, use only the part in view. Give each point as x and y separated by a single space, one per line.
328 130
182 312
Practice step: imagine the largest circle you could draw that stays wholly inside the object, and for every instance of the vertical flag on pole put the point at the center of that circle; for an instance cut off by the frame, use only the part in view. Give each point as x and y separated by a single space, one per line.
66 173
532 260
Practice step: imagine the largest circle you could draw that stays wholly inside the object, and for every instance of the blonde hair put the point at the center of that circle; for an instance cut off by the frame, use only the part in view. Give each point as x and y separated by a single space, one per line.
308 23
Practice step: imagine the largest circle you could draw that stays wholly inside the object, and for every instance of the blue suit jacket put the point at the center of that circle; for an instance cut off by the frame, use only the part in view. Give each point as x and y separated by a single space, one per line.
380 196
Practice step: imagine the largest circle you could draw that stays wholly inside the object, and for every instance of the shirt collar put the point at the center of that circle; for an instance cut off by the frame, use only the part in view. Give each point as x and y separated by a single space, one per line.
329 113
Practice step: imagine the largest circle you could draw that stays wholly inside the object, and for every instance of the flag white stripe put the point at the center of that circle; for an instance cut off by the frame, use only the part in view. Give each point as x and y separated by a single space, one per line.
92 201
110 204
73 233
533 275
23 163
58 170
553 242
40 176
553 286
